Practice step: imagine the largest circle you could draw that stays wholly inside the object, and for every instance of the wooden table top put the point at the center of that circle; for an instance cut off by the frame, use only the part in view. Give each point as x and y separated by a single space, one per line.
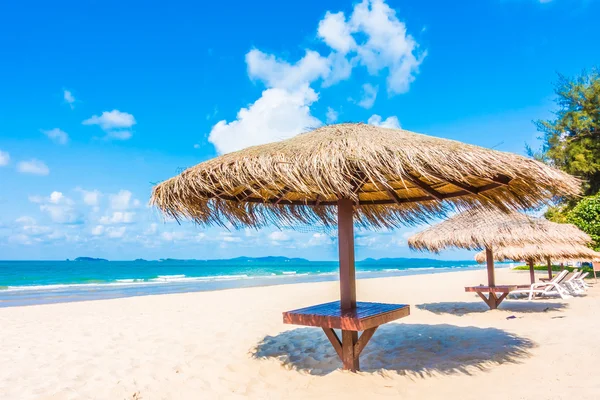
494 289
330 315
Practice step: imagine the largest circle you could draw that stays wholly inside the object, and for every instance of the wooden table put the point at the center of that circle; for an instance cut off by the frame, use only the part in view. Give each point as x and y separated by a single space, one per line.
493 300
364 317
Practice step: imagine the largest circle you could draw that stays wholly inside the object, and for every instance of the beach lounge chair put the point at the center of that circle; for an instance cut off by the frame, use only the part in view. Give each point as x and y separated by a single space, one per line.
551 288
581 280
571 284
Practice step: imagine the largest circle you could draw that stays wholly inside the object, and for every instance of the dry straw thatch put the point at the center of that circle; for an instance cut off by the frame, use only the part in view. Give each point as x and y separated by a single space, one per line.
394 177
478 229
541 253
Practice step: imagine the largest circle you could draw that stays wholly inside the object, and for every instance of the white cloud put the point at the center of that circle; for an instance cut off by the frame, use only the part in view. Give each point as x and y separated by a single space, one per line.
372 37
390 122
279 236
115 233
114 119
123 200
319 239
334 31
118 217
60 208
278 114
331 115
376 39
115 123
98 230
56 197
90 197
369 96
4 158
172 236
69 98
281 74
26 220
34 167
57 135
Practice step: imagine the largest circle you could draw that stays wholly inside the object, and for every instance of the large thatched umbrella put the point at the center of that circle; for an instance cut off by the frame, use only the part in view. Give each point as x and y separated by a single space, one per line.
354 173
540 252
489 229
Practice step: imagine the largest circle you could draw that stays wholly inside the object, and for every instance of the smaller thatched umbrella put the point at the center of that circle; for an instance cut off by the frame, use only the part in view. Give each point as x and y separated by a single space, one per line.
540 252
490 229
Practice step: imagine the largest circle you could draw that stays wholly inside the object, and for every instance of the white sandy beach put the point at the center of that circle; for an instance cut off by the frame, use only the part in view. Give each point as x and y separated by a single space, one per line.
232 344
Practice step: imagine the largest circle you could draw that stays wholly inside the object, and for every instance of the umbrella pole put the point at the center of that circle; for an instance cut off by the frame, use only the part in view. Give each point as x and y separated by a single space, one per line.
549 268
347 278
531 272
489 257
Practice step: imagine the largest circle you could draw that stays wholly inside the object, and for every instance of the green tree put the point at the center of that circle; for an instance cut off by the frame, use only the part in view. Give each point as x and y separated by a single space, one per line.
572 139
586 216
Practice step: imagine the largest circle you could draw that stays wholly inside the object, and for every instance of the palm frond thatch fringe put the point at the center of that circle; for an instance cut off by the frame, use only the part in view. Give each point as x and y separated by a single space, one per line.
394 176
478 229
541 253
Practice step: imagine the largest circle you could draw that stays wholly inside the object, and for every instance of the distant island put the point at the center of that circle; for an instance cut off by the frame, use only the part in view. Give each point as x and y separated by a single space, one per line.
281 260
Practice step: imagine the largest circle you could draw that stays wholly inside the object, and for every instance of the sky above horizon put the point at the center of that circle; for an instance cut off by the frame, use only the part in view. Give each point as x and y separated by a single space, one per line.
102 100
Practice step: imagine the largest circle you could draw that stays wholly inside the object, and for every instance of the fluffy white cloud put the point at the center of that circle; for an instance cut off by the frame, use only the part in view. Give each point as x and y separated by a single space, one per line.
69 98
118 217
277 73
115 123
123 200
372 37
57 135
90 197
172 236
34 167
279 236
331 115
319 239
97 230
60 208
115 233
369 96
112 120
390 122
4 158
375 38
278 114
334 31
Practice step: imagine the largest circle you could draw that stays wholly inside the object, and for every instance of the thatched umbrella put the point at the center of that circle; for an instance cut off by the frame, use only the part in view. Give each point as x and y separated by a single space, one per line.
540 252
490 229
341 174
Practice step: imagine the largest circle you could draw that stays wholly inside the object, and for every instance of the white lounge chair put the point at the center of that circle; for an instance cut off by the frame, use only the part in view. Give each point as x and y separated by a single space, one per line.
581 280
551 288
572 285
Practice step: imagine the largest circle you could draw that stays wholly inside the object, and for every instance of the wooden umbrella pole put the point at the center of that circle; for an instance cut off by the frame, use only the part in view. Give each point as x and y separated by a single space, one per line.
489 257
549 268
531 271
347 278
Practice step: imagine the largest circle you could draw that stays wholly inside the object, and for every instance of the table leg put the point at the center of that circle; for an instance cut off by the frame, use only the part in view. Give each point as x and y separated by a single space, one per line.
350 361
493 301
485 299
501 298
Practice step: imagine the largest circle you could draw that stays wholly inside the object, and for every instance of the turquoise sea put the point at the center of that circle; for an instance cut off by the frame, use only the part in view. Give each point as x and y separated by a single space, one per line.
41 282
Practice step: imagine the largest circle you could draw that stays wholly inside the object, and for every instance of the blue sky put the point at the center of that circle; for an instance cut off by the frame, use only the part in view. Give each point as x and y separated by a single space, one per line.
100 100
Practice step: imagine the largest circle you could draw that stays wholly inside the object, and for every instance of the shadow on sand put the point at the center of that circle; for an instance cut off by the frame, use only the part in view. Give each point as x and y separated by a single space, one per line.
408 349
463 308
